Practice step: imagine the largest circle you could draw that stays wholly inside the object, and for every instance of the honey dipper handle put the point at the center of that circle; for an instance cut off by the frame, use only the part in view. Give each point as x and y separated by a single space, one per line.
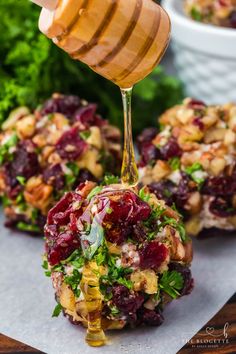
47 4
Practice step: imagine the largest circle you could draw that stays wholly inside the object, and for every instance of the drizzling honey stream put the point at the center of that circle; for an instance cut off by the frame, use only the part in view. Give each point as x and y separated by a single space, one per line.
129 170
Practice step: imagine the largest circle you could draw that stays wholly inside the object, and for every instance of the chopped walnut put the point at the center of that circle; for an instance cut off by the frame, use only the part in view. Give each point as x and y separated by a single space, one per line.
38 194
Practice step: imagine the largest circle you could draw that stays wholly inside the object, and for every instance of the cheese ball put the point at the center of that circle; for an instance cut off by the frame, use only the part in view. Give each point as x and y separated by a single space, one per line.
49 151
130 247
191 162
216 12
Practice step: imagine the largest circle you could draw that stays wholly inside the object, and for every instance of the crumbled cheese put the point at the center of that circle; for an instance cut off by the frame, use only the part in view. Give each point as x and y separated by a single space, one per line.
200 174
175 177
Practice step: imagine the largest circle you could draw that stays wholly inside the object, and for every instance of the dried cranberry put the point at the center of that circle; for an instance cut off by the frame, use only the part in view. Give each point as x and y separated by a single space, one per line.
147 136
171 149
125 301
183 191
41 221
54 175
127 207
198 122
118 234
152 255
139 232
70 146
220 186
150 317
196 104
62 247
164 190
86 115
62 208
233 19
66 105
222 207
25 163
14 192
187 276
149 153
85 175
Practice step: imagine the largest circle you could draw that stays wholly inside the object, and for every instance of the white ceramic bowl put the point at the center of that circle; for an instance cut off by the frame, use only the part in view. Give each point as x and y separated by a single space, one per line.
205 56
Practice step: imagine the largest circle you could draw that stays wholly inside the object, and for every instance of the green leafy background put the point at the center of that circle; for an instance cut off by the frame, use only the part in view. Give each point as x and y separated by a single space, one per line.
32 68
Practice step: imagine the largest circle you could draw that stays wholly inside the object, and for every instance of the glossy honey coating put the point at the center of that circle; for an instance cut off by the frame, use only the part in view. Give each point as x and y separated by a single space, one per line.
116 257
120 40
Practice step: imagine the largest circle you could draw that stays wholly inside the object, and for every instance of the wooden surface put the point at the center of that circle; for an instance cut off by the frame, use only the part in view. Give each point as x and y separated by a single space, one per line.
9 345
217 336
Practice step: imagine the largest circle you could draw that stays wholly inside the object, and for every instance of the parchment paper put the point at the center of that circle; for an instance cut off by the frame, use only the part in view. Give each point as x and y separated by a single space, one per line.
27 301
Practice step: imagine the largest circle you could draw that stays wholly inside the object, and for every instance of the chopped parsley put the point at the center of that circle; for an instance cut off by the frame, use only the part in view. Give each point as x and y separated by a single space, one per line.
23 226
114 310
74 280
145 196
171 283
85 134
109 210
70 178
125 282
195 14
57 310
4 149
116 274
21 180
178 225
45 264
73 167
196 166
74 256
193 172
34 214
94 192
174 163
110 179
5 200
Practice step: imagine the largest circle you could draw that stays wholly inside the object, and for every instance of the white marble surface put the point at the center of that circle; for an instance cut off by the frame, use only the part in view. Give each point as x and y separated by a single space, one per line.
27 301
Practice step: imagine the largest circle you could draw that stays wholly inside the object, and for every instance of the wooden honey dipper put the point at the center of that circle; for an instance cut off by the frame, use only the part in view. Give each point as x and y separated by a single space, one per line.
119 39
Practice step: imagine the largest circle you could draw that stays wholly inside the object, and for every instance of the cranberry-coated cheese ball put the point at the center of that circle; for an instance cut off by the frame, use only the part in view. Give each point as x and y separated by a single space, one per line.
191 162
47 152
125 242
217 12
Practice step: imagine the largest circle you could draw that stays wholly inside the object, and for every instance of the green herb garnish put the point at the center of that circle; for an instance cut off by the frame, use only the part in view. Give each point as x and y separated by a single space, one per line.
114 310
85 134
57 310
73 167
174 163
4 149
73 280
171 282
27 227
94 192
110 179
145 196
196 166
193 170
21 180
195 14
5 200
